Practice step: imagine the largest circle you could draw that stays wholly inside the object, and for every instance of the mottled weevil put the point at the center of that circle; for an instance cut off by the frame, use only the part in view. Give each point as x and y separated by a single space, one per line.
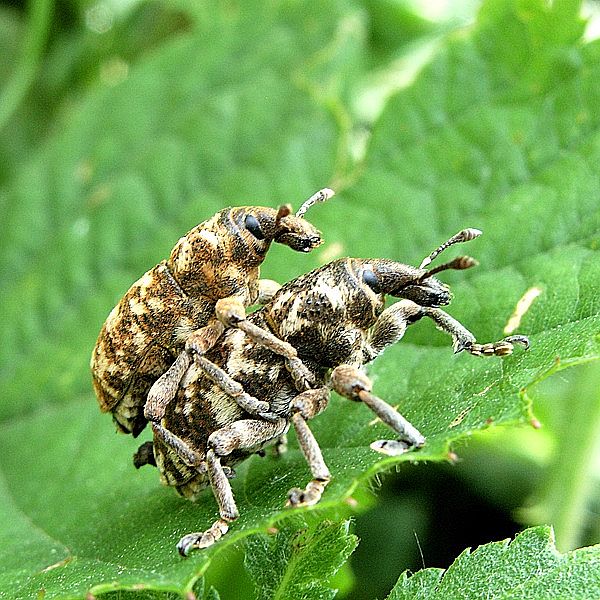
335 318
182 305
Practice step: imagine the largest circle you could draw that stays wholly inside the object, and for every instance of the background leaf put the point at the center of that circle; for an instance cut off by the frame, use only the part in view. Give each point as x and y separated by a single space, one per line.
527 567
254 104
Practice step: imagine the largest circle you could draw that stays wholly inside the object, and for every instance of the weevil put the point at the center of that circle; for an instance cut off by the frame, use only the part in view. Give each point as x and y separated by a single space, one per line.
181 306
336 319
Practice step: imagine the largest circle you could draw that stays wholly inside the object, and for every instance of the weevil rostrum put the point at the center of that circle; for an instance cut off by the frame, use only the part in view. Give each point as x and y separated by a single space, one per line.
182 305
335 318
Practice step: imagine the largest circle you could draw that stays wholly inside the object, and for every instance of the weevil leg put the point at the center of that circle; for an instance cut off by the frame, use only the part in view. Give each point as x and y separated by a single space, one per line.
312 493
228 510
393 321
165 387
308 404
267 288
188 455
156 405
464 340
351 383
391 327
311 402
231 312
239 435
144 455
234 389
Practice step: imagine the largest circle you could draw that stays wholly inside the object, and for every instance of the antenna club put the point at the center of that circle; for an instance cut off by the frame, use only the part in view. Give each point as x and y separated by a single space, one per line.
470 234
321 196
466 235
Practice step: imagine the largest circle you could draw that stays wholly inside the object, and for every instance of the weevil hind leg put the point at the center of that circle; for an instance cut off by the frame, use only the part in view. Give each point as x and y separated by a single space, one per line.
239 435
228 510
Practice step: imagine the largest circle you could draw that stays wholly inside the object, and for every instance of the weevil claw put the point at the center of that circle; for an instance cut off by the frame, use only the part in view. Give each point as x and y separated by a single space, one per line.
391 447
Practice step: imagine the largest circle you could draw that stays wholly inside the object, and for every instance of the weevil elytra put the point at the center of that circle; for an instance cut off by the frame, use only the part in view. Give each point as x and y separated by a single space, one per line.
182 305
335 318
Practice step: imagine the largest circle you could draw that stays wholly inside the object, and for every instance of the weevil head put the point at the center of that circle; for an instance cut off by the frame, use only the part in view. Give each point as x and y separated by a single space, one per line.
285 227
260 226
404 281
351 291
221 256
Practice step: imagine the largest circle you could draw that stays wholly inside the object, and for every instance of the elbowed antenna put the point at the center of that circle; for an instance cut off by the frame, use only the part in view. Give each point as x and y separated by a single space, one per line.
320 196
459 263
466 235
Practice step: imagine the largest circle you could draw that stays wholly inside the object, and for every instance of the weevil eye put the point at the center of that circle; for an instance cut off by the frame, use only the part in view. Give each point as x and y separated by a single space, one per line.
371 280
253 226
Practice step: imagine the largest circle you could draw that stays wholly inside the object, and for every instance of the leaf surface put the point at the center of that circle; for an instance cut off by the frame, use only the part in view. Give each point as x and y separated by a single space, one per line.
470 143
529 567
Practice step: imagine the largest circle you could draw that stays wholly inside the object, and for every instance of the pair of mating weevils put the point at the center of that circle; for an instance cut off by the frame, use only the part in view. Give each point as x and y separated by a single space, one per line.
218 385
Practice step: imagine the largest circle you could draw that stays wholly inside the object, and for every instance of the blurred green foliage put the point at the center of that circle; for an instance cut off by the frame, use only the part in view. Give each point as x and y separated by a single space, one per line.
123 124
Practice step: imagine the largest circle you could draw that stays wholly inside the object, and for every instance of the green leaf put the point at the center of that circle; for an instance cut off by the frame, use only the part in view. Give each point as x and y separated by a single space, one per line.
298 561
527 567
252 106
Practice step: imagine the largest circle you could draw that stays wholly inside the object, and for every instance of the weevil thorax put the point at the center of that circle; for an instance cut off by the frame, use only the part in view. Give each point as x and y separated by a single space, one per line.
326 314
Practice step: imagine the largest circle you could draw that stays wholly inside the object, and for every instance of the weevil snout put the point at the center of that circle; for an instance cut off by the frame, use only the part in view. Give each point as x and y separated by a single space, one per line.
298 234
431 292
281 226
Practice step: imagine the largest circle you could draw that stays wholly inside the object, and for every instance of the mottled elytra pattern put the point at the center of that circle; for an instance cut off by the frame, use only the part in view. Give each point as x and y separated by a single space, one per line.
219 258
335 318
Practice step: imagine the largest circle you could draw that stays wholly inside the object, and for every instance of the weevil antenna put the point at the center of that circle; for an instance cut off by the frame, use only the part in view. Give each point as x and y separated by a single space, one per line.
466 235
459 263
320 196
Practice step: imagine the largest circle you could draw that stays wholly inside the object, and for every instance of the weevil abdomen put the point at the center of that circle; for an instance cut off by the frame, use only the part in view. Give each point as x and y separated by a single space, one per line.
140 340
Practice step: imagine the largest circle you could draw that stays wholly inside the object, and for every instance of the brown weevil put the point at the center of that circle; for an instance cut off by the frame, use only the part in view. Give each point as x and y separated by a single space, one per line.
336 319
182 305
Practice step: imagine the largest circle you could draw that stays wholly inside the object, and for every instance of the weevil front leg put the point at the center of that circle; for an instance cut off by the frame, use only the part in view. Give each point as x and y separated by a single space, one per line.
392 324
239 435
156 403
464 340
350 382
231 312
198 343
306 406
